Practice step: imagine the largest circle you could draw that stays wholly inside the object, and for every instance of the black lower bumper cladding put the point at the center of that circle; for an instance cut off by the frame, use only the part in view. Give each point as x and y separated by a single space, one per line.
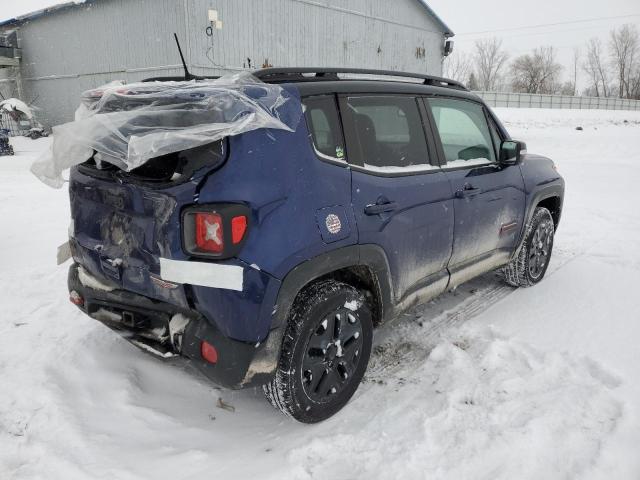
167 331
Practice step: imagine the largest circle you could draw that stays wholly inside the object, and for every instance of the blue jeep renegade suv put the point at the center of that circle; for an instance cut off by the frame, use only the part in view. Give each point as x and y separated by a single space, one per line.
267 258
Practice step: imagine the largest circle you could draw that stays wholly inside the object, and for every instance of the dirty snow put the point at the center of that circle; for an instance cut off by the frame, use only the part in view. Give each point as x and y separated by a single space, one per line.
90 281
486 382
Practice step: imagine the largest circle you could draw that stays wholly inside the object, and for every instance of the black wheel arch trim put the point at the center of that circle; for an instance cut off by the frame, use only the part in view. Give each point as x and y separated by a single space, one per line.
367 255
548 191
265 362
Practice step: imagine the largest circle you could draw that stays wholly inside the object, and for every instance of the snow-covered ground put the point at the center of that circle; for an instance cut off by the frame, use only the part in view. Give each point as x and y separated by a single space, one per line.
486 382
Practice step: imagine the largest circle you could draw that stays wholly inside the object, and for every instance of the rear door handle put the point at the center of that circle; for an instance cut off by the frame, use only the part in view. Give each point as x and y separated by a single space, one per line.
468 190
378 208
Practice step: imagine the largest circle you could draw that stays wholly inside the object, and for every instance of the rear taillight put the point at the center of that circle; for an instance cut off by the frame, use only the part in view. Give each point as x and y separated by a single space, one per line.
215 230
209 232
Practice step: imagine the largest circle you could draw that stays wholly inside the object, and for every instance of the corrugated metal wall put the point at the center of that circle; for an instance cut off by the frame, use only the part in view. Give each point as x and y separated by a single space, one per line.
84 47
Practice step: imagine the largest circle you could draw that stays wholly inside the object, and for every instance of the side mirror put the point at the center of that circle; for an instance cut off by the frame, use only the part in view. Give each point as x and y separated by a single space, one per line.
511 152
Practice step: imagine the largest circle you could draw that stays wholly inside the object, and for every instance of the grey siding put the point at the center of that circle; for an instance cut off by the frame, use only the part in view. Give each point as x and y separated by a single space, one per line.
83 47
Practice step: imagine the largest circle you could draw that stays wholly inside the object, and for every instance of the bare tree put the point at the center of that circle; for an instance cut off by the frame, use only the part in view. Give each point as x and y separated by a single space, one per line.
624 46
634 85
595 67
457 66
537 72
472 84
567 88
489 61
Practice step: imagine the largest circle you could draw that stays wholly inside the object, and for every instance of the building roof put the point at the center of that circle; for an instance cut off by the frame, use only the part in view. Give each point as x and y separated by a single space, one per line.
79 3
44 11
447 31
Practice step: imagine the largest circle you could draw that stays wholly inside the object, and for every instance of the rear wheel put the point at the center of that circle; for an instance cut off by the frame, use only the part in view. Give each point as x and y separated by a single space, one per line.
324 354
532 261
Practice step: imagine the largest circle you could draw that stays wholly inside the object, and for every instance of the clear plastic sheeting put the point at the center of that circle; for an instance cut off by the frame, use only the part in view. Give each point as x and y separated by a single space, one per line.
127 125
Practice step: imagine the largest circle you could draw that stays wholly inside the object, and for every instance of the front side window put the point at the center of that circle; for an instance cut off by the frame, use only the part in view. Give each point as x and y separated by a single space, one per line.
389 133
323 122
464 132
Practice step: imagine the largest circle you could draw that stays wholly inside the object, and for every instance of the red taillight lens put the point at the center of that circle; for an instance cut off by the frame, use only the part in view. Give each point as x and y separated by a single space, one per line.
209 232
238 227
209 352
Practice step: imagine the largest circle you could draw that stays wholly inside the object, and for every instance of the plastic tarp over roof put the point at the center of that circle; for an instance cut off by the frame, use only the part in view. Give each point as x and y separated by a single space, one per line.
127 125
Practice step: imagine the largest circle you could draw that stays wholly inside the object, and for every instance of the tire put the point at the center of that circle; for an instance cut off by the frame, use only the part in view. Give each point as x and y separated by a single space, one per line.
324 354
532 259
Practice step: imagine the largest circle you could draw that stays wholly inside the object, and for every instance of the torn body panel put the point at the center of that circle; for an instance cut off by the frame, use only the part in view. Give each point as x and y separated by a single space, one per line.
123 232
169 331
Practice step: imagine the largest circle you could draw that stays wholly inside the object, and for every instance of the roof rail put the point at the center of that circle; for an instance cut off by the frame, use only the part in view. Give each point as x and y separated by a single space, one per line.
179 78
310 74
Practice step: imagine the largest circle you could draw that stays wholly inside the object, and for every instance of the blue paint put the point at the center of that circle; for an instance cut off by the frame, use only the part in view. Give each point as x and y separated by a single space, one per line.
290 192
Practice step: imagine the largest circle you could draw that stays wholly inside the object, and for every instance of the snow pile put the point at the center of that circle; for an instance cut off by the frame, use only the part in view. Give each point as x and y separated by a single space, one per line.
480 406
15 105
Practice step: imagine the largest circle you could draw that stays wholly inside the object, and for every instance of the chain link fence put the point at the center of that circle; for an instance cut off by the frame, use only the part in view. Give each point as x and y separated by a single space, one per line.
531 100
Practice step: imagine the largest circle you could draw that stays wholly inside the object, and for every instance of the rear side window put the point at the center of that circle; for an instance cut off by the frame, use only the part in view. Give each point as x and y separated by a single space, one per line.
464 132
323 122
389 133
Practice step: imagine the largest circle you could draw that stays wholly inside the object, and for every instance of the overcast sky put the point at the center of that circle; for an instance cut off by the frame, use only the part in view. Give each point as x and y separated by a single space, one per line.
494 16
465 17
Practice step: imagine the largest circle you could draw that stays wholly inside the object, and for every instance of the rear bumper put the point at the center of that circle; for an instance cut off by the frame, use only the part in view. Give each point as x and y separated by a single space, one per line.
166 330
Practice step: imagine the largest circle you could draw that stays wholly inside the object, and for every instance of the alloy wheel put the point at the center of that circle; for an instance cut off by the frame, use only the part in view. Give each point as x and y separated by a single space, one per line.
332 355
540 249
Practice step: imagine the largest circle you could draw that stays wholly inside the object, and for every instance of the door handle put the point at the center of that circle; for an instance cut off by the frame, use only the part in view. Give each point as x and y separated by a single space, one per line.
378 208
468 190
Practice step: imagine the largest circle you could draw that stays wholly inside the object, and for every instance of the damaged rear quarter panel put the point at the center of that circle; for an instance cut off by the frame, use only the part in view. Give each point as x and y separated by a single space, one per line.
122 230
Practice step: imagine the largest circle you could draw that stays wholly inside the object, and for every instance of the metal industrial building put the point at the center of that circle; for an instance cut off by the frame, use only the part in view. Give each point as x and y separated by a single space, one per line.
63 50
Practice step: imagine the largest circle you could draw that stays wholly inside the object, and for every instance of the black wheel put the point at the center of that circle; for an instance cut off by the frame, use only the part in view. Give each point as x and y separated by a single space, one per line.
324 354
532 260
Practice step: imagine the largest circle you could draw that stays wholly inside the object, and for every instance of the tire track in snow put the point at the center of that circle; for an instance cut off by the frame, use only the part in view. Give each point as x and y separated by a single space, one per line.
407 340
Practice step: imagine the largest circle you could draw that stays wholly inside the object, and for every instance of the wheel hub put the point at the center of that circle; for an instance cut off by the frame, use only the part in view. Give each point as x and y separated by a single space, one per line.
540 249
332 355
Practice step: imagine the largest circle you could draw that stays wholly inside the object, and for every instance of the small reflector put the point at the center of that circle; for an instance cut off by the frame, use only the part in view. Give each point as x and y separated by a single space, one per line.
75 298
238 227
209 352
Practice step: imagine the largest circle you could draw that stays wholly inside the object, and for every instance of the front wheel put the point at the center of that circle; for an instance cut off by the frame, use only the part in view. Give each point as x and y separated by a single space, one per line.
532 260
324 354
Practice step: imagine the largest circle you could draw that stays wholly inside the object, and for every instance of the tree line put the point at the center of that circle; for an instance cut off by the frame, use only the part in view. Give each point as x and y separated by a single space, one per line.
612 68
